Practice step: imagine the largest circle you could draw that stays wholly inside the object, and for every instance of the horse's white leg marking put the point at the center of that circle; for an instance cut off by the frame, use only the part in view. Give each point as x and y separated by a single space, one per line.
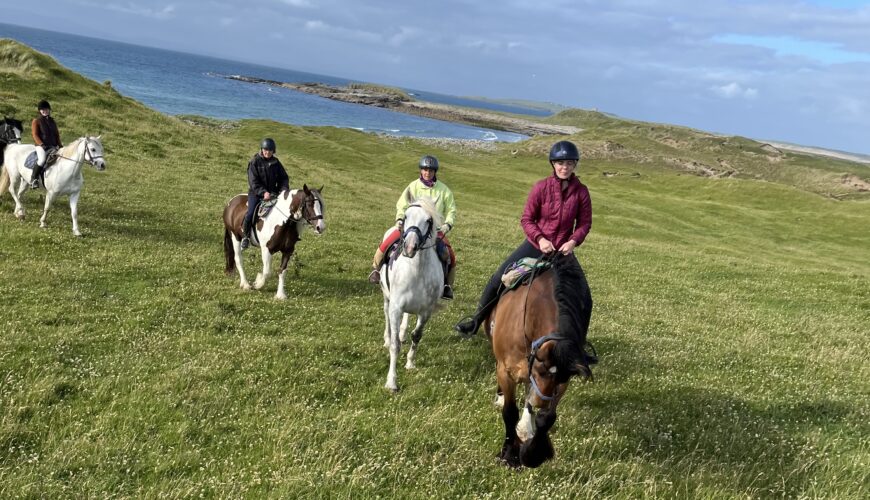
526 426
74 212
416 335
280 295
395 314
49 197
499 401
386 322
267 267
237 256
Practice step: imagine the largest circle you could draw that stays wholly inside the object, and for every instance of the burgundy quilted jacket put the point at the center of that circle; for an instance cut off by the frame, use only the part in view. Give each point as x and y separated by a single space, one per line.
557 216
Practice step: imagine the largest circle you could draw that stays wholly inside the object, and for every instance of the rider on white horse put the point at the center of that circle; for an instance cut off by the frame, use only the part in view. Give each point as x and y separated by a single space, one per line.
427 185
266 178
46 136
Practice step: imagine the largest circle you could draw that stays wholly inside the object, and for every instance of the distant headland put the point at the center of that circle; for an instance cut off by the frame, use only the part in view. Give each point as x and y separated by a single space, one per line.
398 100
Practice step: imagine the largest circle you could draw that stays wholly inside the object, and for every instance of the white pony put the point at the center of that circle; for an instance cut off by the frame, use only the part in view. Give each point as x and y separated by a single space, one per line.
62 178
412 283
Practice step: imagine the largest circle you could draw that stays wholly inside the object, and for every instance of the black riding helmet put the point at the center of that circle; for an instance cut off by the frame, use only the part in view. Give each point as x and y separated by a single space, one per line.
564 150
43 104
429 162
268 144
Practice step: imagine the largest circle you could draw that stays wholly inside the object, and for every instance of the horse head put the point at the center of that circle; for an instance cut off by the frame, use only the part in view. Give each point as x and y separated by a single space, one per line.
421 223
313 209
93 152
10 130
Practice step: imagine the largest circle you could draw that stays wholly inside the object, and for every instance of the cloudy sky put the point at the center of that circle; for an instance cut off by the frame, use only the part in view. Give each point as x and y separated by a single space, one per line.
782 70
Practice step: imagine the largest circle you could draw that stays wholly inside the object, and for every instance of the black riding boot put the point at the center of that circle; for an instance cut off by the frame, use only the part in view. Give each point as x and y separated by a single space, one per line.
246 228
469 326
447 294
35 176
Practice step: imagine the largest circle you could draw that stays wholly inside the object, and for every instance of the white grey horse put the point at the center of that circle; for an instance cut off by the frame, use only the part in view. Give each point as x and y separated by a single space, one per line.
412 283
62 178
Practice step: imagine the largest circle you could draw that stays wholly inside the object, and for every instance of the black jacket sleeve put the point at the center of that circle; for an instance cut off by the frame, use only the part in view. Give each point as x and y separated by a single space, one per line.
254 181
281 177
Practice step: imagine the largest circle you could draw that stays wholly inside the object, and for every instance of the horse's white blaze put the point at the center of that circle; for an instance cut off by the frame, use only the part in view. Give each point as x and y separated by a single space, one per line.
63 178
526 426
416 279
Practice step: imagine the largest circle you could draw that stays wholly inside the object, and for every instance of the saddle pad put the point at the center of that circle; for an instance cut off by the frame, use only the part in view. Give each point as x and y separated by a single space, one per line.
265 208
519 272
30 161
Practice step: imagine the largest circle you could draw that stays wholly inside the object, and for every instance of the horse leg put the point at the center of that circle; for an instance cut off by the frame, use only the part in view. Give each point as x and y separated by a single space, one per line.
267 267
416 335
74 212
49 197
285 258
18 182
395 317
386 322
510 450
237 256
403 328
526 428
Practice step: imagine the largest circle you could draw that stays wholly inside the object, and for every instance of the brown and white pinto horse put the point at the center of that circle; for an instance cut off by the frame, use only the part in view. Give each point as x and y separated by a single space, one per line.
537 333
279 231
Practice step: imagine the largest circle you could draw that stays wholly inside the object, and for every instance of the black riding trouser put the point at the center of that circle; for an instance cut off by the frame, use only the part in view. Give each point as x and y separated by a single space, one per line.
253 201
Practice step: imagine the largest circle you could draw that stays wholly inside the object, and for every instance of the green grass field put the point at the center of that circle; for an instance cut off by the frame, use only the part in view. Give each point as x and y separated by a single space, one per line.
731 316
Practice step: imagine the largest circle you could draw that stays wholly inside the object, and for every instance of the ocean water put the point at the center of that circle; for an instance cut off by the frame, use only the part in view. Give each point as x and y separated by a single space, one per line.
180 83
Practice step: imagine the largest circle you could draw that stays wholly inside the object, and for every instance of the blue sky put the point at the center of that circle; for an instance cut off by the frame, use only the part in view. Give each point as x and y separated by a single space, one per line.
781 70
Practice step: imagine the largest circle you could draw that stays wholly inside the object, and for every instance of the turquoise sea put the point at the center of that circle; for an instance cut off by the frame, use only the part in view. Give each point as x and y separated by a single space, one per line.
180 83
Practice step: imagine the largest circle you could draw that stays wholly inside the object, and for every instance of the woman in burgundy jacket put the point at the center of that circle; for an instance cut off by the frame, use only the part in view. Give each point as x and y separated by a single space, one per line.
557 218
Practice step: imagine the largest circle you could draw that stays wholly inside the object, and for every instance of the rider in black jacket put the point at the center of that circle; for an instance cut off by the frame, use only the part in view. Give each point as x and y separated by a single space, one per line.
266 178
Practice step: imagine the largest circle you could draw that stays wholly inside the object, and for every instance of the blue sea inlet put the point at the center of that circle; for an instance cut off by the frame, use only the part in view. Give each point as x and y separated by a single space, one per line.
178 83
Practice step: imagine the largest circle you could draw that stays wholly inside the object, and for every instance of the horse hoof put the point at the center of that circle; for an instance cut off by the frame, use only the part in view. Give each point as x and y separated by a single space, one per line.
246 286
77 234
393 390
280 297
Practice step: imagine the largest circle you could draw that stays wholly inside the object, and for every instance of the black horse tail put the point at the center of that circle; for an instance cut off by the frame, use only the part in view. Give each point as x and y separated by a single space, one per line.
229 253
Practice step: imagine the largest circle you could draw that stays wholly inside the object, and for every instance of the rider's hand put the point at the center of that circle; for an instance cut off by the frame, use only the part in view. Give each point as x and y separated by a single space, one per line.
568 247
445 228
545 245
267 195
400 224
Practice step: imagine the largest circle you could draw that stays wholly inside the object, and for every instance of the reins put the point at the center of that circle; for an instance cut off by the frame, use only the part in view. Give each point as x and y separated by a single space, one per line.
537 343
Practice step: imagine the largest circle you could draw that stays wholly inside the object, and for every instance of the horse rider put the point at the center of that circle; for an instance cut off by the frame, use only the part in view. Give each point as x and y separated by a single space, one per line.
426 185
557 217
266 178
46 137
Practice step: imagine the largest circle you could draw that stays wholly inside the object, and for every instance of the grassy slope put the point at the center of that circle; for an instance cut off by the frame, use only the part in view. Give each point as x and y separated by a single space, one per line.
731 316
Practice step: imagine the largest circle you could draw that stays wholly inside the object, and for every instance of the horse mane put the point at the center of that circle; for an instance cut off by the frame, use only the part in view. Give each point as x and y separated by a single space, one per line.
70 148
568 291
428 206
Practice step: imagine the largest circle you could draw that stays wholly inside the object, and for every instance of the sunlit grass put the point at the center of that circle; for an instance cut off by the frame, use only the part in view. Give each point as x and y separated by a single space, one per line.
731 318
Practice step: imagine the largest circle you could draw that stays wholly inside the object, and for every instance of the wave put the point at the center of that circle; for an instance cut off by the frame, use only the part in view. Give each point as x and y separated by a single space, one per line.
490 136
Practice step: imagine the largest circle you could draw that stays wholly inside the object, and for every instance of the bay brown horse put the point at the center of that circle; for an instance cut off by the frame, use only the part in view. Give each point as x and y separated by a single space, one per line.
537 333
277 232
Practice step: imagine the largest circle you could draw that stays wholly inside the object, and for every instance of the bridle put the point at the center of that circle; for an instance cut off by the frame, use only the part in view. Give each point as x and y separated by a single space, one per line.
7 133
537 343
87 156
423 237
317 216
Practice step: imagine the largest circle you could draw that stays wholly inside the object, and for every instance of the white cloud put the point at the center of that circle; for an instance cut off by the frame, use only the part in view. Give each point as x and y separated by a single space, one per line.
734 90
298 3
132 8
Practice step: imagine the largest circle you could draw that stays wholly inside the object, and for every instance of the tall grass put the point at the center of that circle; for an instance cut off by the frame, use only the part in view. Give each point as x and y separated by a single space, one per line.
731 317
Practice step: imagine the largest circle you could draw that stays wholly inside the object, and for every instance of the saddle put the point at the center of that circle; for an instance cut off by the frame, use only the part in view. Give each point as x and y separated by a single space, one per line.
520 272
264 207
51 157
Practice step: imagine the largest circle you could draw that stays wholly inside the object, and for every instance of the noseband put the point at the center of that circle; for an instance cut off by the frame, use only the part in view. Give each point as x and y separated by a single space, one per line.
533 355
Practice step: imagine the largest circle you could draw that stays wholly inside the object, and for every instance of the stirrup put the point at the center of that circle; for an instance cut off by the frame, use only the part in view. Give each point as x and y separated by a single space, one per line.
375 277
35 184
447 294
245 243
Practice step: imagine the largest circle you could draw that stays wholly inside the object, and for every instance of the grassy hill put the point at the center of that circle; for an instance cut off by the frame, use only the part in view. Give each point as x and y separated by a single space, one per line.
731 317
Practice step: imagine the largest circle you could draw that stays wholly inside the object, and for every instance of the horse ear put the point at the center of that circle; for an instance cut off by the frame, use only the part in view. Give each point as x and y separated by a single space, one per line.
99 136
321 188
305 188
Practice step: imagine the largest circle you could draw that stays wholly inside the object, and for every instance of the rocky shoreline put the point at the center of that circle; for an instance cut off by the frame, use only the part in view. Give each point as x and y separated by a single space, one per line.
397 102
